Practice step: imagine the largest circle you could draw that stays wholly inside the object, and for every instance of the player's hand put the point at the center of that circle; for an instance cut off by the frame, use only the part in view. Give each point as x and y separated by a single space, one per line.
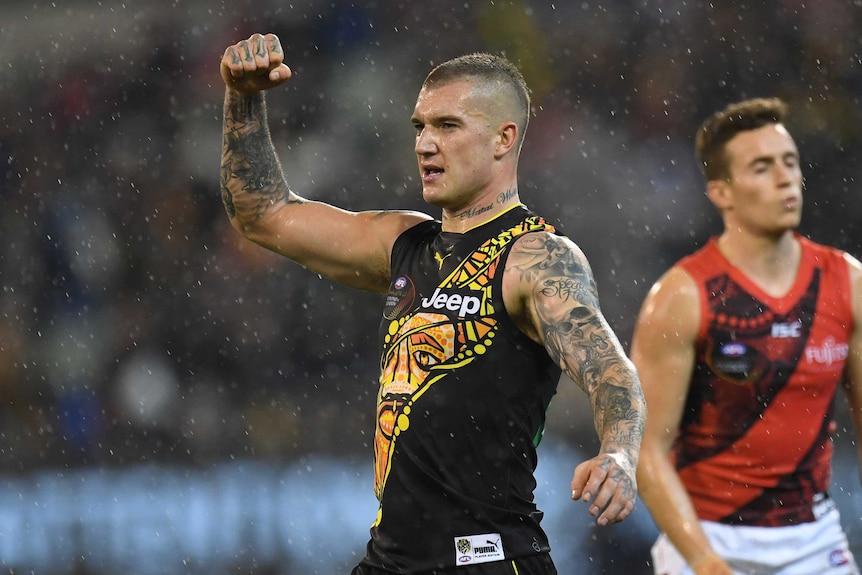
607 483
254 65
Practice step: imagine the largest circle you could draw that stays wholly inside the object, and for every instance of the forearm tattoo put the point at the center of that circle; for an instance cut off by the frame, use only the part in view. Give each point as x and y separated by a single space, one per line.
578 338
251 176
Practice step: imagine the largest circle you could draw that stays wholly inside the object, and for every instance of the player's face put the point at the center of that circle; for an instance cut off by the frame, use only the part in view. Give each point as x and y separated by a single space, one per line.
764 193
455 144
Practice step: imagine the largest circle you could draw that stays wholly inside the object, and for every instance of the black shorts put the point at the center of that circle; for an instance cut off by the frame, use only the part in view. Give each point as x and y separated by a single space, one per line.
534 565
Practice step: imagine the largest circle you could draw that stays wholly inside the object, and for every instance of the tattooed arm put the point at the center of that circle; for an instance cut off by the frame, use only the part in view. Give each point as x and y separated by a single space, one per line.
350 247
551 294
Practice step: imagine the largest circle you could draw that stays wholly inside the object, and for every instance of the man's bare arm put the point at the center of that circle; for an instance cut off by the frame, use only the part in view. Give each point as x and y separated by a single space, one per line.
562 312
350 247
663 350
853 372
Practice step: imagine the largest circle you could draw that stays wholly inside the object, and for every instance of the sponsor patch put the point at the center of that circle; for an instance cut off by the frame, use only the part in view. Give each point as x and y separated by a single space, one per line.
461 301
784 330
473 549
830 352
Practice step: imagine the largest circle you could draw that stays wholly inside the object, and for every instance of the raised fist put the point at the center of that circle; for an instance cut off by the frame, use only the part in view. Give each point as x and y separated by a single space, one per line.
254 65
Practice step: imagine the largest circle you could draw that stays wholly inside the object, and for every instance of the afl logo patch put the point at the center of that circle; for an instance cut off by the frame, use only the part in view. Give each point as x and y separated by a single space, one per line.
400 298
733 349
737 362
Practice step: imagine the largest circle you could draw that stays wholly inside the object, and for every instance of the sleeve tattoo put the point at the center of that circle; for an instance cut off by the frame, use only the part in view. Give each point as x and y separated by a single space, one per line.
577 336
251 174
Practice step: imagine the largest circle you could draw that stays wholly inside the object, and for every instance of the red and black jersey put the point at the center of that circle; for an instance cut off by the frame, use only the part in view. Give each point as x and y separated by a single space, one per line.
754 445
462 399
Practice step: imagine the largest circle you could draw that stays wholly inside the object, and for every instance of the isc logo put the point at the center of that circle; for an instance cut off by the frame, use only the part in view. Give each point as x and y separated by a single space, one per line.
463 304
786 329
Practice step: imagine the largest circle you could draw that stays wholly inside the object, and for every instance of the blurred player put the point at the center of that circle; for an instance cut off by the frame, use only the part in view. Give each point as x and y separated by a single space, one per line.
741 348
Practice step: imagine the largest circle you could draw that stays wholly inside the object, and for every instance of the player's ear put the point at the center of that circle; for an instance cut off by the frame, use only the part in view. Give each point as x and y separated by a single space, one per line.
718 192
507 139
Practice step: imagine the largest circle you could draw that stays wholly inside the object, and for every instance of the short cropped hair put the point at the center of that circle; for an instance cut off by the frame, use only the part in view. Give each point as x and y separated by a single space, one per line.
489 69
714 134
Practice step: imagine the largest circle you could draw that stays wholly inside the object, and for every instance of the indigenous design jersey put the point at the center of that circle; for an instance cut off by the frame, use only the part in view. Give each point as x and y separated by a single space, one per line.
754 445
461 404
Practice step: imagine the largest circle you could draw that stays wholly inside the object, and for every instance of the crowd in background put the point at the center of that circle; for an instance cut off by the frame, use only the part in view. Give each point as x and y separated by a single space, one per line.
137 326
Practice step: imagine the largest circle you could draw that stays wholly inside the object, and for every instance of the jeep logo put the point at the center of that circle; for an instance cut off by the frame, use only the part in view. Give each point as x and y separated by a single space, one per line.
463 304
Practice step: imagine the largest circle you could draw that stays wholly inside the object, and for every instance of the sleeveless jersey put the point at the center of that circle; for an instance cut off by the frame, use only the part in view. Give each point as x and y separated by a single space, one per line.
754 446
461 405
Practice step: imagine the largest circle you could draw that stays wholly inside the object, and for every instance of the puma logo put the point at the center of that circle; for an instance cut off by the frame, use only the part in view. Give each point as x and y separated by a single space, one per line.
439 259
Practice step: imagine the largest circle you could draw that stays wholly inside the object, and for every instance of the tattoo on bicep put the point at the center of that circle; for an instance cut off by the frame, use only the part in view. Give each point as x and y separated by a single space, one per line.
567 288
549 256
576 335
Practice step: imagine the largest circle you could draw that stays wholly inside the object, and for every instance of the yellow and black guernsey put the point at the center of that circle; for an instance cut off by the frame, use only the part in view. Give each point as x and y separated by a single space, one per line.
461 405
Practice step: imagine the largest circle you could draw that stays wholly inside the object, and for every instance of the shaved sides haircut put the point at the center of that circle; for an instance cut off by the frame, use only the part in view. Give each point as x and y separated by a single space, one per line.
491 71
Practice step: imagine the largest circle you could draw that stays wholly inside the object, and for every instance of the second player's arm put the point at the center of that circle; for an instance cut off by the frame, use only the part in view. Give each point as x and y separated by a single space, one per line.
663 349
853 372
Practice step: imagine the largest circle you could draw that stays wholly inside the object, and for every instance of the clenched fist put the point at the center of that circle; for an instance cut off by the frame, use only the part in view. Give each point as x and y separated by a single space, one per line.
254 65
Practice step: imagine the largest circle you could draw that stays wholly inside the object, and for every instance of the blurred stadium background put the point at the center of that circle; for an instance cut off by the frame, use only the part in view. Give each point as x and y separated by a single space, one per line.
174 400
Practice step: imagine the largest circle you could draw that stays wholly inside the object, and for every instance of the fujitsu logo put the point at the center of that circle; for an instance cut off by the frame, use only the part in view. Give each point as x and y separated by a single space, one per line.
828 353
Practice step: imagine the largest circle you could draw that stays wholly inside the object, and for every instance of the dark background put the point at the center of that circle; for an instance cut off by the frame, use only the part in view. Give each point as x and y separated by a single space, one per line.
139 331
